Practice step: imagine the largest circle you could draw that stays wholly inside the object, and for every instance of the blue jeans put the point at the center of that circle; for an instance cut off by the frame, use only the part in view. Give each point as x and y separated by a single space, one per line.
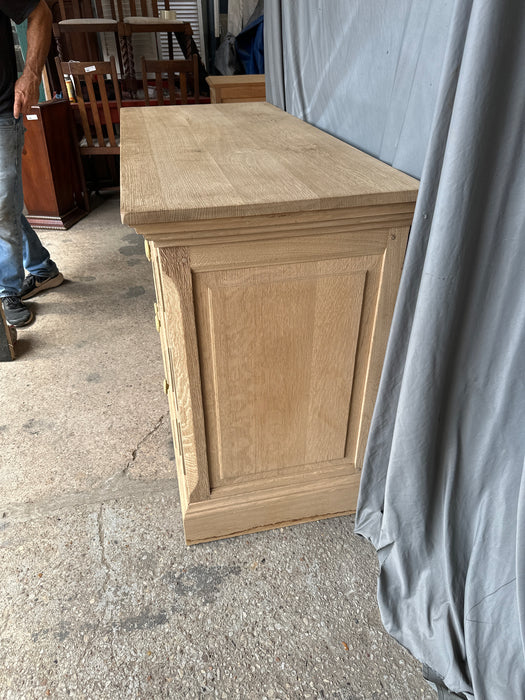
20 247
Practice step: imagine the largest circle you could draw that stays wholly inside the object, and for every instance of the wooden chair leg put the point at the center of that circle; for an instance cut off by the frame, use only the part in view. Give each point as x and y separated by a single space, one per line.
60 45
128 64
118 46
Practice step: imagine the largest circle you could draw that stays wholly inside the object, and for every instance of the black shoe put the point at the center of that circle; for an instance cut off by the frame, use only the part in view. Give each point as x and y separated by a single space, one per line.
16 313
34 285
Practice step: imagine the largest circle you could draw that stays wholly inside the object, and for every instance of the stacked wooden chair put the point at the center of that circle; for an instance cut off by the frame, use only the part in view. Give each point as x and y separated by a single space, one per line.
80 19
174 80
96 90
123 19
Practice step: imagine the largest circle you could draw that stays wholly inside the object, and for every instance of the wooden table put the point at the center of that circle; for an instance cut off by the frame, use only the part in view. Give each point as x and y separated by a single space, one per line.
277 251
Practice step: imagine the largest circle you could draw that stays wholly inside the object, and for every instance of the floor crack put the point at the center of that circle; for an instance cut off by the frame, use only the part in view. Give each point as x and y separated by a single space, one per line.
105 564
134 452
102 545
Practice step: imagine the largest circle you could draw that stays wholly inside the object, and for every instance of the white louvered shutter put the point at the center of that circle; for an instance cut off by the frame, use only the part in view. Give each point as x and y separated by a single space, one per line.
187 11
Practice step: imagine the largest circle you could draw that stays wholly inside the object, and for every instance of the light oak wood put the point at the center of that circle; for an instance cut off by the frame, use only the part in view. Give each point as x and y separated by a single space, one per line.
228 515
242 160
275 288
283 401
237 88
184 377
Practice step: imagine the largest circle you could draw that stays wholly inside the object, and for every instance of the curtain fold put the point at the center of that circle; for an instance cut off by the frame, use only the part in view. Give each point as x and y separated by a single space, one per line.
442 494
273 52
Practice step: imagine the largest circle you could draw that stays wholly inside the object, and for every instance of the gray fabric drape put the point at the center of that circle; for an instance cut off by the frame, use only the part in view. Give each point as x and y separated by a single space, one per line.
442 493
367 72
273 52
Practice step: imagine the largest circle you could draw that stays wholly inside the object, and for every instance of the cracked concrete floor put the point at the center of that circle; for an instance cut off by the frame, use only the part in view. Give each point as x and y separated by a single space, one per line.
100 598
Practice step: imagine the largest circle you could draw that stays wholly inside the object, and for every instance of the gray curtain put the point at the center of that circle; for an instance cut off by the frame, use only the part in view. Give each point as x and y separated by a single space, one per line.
442 492
367 72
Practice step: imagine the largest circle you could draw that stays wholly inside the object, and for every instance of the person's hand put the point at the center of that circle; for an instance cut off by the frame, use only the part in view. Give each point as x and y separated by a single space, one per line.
27 92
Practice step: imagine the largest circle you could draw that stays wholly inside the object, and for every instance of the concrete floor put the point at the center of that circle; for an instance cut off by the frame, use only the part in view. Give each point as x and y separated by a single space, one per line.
100 597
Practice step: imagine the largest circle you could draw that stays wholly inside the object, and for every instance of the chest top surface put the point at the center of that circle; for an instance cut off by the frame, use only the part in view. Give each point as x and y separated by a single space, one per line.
187 163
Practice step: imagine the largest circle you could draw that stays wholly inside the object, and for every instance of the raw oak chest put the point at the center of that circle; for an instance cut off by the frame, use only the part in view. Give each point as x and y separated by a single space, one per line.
277 251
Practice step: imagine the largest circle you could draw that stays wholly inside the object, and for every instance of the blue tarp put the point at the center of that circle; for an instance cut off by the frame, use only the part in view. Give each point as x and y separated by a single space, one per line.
250 46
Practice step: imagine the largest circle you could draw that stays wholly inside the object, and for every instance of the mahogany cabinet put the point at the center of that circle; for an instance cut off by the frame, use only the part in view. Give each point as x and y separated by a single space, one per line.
54 188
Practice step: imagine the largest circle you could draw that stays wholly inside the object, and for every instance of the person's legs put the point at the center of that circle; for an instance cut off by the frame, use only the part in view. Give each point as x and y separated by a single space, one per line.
37 260
11 243
19 244
43 273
